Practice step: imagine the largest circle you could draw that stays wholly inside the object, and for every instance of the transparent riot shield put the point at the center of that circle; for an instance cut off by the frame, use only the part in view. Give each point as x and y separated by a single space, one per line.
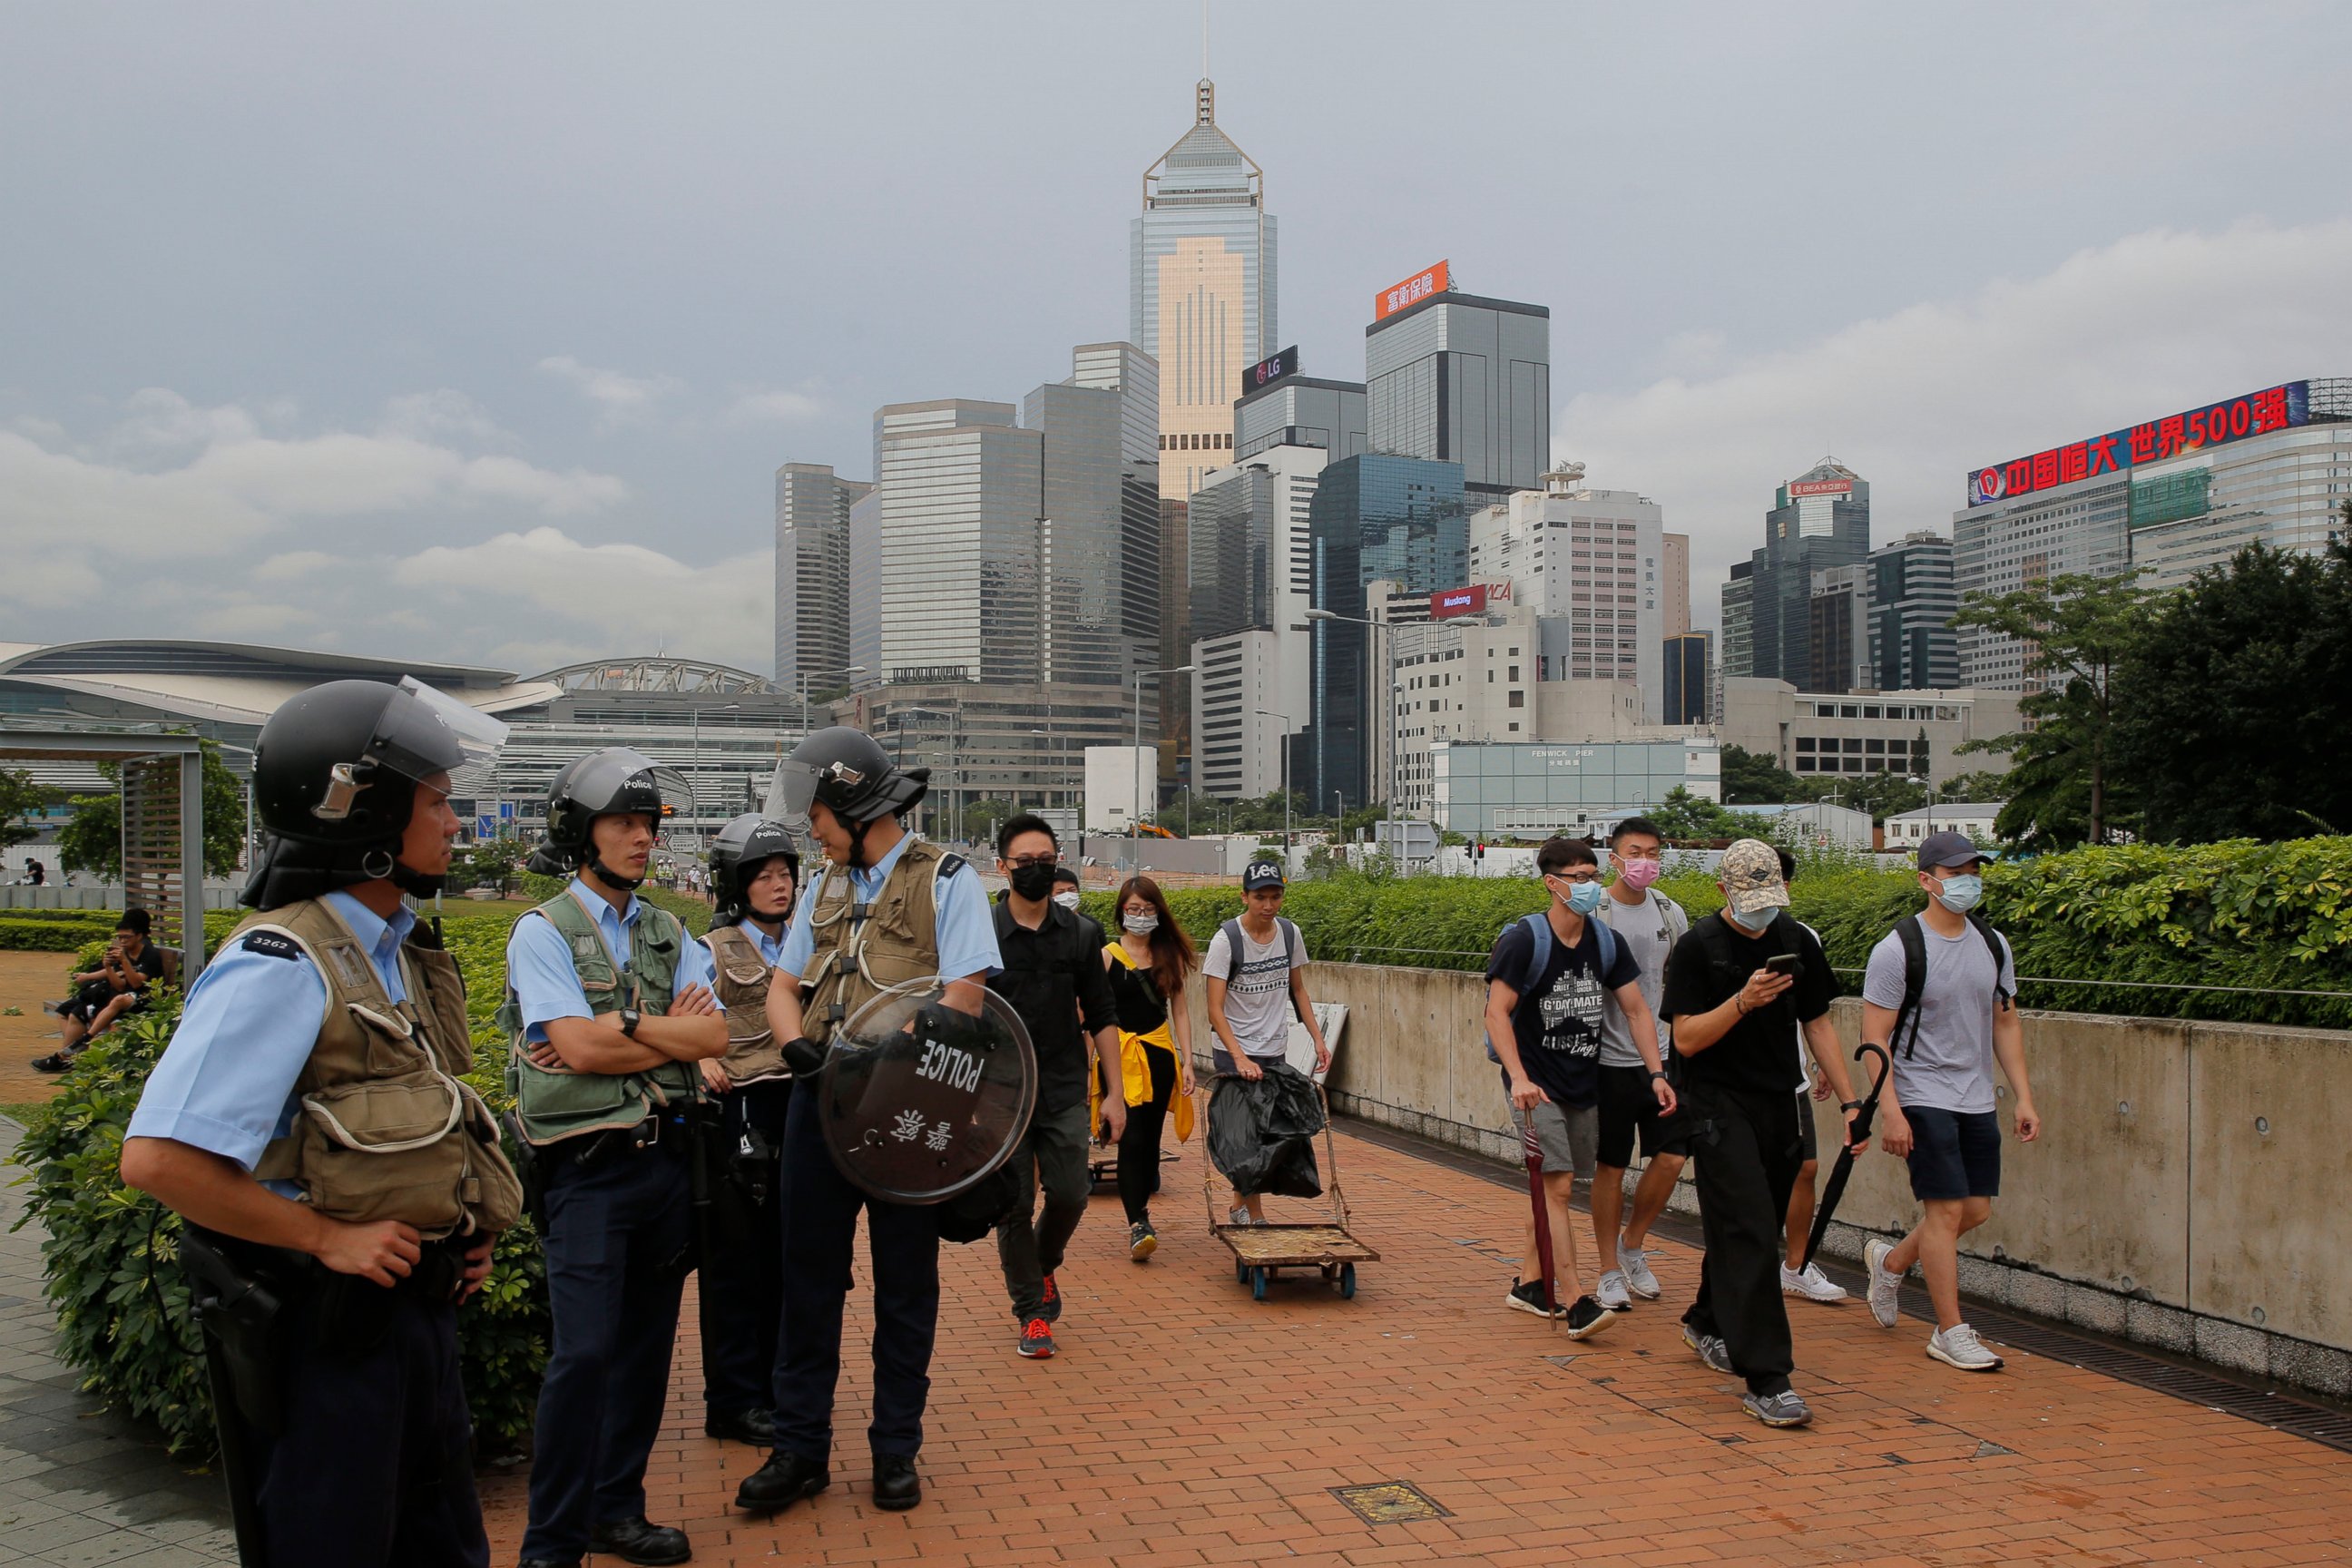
920 1099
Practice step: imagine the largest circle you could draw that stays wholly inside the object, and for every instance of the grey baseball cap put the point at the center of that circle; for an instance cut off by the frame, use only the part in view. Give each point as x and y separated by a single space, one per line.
1948 849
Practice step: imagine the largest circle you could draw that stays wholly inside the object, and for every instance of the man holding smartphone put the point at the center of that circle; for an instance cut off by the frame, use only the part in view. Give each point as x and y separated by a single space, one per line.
1735 986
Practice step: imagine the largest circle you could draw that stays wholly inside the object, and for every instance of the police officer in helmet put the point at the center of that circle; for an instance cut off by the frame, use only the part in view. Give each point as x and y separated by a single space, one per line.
885 908
609 1009
754 872
329 1248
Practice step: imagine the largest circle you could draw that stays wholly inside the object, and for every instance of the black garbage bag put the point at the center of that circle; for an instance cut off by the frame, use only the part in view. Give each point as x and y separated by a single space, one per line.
1262 1133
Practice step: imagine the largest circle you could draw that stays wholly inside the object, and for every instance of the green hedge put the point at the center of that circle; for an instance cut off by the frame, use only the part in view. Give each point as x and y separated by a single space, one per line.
111 1252
63 931
2258 918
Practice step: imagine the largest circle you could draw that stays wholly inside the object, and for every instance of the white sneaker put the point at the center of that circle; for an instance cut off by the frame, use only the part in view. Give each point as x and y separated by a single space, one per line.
1635 1262
1959 1347
1885 1290
1610 1291
1242 1216
1812 1284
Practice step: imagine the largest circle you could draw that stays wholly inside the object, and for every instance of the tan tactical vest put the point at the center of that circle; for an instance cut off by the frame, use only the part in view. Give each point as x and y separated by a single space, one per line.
863 950
753 1055
385 1128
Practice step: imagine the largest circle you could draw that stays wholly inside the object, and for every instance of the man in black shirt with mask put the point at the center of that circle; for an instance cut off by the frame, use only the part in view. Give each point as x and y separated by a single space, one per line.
1735 986
1053 974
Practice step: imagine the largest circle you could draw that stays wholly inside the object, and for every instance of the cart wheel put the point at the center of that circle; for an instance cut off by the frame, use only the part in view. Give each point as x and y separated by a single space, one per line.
1259 1279
1347 1281
1241 1273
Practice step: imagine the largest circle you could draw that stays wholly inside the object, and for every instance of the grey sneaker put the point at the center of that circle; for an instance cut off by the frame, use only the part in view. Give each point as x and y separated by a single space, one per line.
1635 1262
1781 1409
1710 1348
1810 1283
1610 1291
1959 1347
1885 1290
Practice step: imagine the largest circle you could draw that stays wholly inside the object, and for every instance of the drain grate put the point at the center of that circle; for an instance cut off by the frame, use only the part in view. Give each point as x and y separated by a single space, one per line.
2142 1368
1390 1502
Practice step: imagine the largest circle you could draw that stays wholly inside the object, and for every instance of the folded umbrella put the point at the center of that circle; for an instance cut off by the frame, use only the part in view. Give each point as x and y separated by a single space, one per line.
1858 1131
1534 1147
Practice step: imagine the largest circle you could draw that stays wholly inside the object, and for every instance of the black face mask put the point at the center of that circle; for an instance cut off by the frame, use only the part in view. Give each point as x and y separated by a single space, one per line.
1033 881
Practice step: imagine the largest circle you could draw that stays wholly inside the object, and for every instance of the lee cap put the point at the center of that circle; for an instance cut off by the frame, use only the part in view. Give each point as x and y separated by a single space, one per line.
1262 874
1948 849
1750 874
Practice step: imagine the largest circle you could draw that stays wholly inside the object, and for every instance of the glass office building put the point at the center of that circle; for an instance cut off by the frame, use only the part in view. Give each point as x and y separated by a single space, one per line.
1819 520
1689 682
1913 645
1301 410
812 576
1373 517
1461 379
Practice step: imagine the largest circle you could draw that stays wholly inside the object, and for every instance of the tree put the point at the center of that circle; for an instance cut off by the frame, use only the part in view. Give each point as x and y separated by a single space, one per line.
2078 630
2232 710
1751 778
1881 794
19 798
91 839
981 817
1983 787
1683 817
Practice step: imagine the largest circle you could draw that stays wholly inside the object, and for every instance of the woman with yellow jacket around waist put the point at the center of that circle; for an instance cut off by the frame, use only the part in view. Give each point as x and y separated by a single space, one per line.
1149 965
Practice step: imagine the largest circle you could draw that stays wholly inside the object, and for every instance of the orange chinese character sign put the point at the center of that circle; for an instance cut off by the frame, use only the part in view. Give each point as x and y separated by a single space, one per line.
1412 291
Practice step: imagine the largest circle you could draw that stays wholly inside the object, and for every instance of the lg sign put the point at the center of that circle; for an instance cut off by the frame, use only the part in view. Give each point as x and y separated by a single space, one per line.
2233 419
1274 369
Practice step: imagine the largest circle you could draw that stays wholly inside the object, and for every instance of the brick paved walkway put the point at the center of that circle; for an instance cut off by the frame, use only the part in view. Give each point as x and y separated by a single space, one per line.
1184 1424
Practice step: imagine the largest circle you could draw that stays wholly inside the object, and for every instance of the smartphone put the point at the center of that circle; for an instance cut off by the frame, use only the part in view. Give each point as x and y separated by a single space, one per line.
1782 963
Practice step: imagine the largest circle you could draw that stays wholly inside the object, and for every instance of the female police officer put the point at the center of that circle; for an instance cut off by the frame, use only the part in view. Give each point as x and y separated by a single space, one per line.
341 1185
609 1007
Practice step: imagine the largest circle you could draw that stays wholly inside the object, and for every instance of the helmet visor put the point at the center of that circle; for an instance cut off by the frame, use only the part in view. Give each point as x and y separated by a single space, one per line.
791 792
618 779
424 731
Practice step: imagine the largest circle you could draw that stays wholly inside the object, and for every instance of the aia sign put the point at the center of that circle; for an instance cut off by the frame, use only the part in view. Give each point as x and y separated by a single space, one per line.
2232 419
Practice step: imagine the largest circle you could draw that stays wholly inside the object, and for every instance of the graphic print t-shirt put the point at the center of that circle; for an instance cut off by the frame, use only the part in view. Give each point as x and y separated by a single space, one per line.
1257 989
1558 1022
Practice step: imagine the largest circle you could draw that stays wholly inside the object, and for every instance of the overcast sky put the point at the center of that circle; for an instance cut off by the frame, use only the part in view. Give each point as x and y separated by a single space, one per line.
478 333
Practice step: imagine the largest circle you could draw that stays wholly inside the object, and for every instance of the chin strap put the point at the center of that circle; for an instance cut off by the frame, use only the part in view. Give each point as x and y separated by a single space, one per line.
416 884
858 843
611 879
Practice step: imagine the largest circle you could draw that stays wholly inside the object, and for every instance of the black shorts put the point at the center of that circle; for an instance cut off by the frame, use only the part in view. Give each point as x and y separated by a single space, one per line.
1953 1153
1809 1137
1628 1103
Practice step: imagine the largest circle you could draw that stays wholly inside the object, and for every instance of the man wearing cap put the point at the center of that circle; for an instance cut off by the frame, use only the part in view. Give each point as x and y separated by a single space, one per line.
1255 988
1737 983
1940 996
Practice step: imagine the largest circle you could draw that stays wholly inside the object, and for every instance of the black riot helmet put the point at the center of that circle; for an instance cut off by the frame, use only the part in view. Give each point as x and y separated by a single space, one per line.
334 782
615 782
740 849
852 776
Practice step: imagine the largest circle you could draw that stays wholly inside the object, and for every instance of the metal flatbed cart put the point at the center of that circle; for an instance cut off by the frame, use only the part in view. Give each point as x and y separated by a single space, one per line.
1262 1251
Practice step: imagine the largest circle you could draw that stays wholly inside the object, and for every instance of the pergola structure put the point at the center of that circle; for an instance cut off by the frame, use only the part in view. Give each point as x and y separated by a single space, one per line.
163 788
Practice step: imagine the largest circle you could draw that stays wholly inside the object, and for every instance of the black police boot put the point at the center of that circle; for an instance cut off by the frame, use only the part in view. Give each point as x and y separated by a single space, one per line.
896 1484
782 1481
752 1426
637 1540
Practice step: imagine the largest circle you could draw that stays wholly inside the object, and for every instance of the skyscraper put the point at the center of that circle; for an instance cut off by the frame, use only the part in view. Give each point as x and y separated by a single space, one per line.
1374 517
1462 379
1819 520
1738 659
813 575
1301 410
1584 561
959 560
1838 631
1688 684
1135 375
1674 584
1912 601
1201 291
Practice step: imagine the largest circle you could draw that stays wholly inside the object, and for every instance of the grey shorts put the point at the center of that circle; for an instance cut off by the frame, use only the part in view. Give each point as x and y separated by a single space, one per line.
1571 1135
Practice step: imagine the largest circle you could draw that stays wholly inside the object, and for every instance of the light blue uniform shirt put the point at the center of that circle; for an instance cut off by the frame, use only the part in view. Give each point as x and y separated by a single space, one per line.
771 948
539 969
966 926
225 1084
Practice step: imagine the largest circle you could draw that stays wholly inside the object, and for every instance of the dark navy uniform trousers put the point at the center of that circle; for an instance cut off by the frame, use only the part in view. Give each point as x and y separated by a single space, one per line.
619 1236
820 1225
375 1466
742 1268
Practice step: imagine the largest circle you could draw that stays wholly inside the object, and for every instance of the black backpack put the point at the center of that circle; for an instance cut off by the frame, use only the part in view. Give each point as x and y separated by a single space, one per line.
1914 938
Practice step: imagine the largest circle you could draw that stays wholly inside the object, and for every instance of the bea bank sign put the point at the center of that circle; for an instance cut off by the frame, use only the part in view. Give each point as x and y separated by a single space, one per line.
2231 419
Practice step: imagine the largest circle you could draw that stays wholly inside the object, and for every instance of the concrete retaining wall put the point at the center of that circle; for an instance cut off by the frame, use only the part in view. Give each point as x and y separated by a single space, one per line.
2188 1190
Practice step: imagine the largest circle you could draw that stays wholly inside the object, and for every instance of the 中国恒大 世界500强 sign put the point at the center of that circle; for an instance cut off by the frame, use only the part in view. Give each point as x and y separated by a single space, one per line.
2213 424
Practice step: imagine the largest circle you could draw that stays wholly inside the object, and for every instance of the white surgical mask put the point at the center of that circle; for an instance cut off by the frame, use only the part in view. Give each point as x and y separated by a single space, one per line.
1960 894
1142 925
1068 901
1757 923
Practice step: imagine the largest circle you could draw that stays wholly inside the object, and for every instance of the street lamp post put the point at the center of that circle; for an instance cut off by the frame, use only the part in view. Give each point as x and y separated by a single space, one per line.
1288 721
1387 686
1135 822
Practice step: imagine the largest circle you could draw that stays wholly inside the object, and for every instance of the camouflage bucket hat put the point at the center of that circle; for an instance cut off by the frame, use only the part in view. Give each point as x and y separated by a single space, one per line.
1750 874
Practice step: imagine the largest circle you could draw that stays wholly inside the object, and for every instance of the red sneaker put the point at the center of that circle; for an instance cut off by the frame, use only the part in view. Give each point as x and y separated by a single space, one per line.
1052 1300
1037 1340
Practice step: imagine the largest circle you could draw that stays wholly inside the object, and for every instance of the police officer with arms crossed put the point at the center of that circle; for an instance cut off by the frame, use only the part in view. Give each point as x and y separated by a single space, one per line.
886 908
609 1007
753 873
330 1243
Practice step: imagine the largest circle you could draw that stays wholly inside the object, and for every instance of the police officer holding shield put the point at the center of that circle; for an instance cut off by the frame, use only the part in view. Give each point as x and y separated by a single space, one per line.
609 1009
754 872
885 909
341 1187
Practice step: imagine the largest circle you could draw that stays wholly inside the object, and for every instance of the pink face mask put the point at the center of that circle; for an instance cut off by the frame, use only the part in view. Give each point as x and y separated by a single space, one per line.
1637 874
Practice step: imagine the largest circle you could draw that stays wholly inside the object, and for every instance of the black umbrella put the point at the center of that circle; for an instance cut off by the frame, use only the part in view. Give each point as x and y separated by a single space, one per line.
1856 1134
